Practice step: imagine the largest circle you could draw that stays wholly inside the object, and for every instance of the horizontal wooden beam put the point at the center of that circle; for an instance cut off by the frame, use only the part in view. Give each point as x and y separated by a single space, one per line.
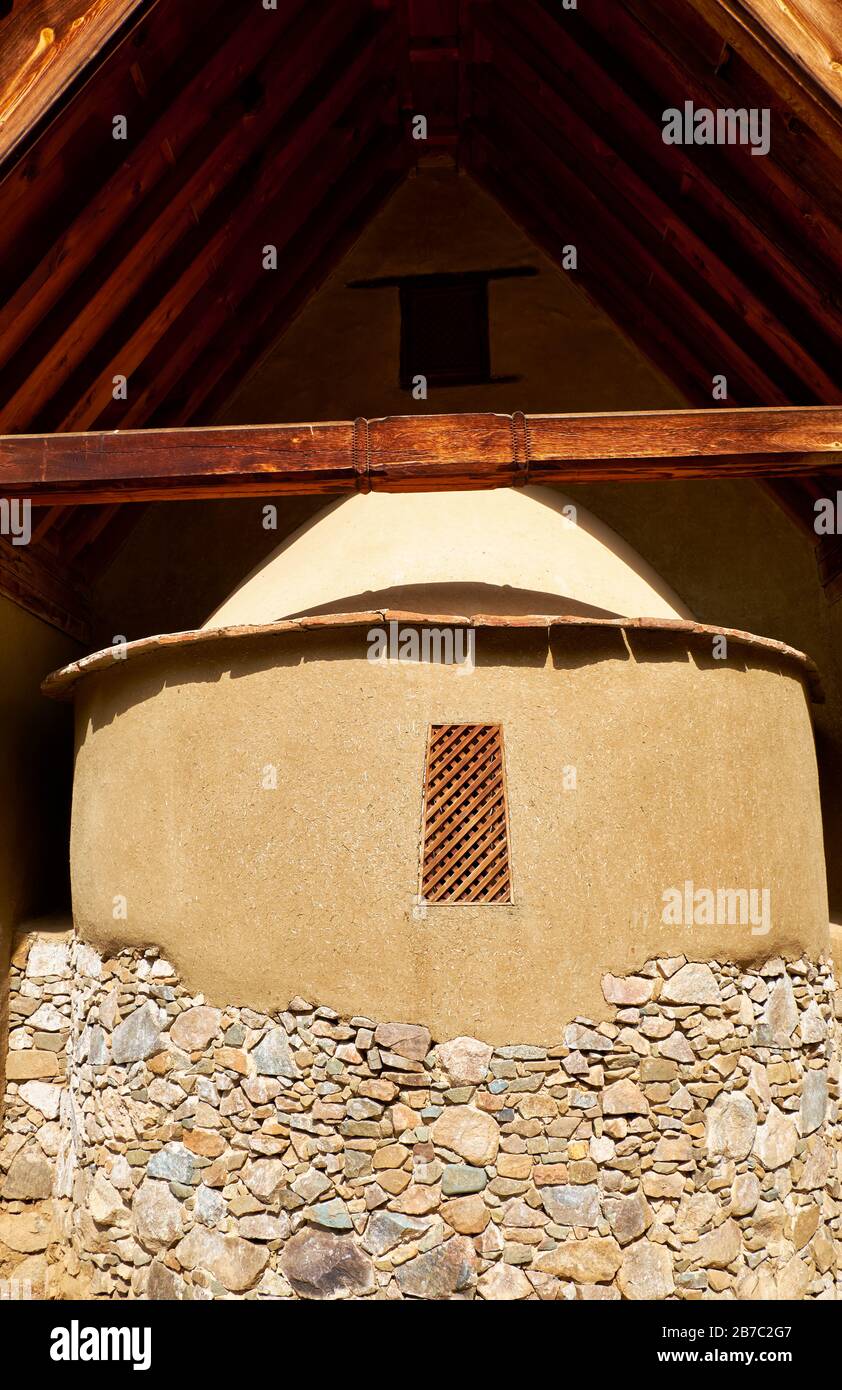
407 453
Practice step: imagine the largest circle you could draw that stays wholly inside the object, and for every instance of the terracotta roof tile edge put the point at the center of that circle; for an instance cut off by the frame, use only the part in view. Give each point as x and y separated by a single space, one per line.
59 685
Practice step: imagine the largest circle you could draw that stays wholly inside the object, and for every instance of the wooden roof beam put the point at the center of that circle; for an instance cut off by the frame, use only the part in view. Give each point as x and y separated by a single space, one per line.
43 50
261 317
323 138
794 45
406 453
177 204
724 205
212 320
513 142
561 121
38 581
146 163
673 68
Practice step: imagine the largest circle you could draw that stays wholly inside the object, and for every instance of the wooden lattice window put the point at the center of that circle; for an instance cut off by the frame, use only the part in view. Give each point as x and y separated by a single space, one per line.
465 843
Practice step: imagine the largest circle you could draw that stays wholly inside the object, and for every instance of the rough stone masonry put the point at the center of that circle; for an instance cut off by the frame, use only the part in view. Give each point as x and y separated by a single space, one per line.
157 1146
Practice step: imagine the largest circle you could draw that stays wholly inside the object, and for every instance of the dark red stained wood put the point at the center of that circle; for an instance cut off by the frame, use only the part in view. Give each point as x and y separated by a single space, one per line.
146 163
420 453
672 68
285 154
177 203
262 317
809 32
39 582
215 319
516 144
58 170
724 206
43 48
670 234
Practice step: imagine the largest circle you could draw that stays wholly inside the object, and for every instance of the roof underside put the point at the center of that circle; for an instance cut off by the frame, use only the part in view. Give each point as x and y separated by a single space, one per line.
246 126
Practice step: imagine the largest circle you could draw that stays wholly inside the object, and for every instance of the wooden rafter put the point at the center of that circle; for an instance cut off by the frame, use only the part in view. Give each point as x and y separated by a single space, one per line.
795 43
43 49
46 586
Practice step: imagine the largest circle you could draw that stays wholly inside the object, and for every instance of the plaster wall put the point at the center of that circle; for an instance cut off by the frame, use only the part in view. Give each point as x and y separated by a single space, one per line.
551 348
685 771
726 548
527 542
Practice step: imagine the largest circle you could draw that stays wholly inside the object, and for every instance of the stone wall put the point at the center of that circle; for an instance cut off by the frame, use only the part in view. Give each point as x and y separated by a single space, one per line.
37 1152
687 1148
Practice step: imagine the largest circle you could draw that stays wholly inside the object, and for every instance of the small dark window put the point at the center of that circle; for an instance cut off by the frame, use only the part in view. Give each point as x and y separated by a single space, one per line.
444 331
444 325
465 845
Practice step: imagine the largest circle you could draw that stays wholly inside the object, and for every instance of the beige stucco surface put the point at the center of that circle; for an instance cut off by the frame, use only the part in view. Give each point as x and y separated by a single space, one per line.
687 769
725 547
551 347
530 547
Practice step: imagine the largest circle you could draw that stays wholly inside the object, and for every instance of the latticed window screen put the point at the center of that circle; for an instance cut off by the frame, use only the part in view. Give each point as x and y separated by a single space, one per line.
465 849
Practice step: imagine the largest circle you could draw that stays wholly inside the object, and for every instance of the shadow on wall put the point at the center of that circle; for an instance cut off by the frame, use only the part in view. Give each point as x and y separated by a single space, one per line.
36 772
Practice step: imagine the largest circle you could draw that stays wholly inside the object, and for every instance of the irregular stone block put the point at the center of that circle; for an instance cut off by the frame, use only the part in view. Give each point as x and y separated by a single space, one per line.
388 1229
139 1037
157 1215
272 1056
731 1125
624 1098
467 1215
32 1063
594 1260
812 1026
583 1039
265 1178
321 1265
470 1133
27 1232
105 1204
813 1101
405 1039
465 1059
572 1205
174 1163
745 1194
627 991
717 1249
47 959
263 1226
196 1027
449 1269
780 1016
504 1283
694 983
629 1217
235 1262
776 1140
333 1215
30 1177
43 1097
163 1285
48 1019
647 1270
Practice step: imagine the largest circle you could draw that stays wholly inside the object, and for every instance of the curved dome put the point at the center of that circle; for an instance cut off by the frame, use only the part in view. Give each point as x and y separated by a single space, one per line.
506 551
